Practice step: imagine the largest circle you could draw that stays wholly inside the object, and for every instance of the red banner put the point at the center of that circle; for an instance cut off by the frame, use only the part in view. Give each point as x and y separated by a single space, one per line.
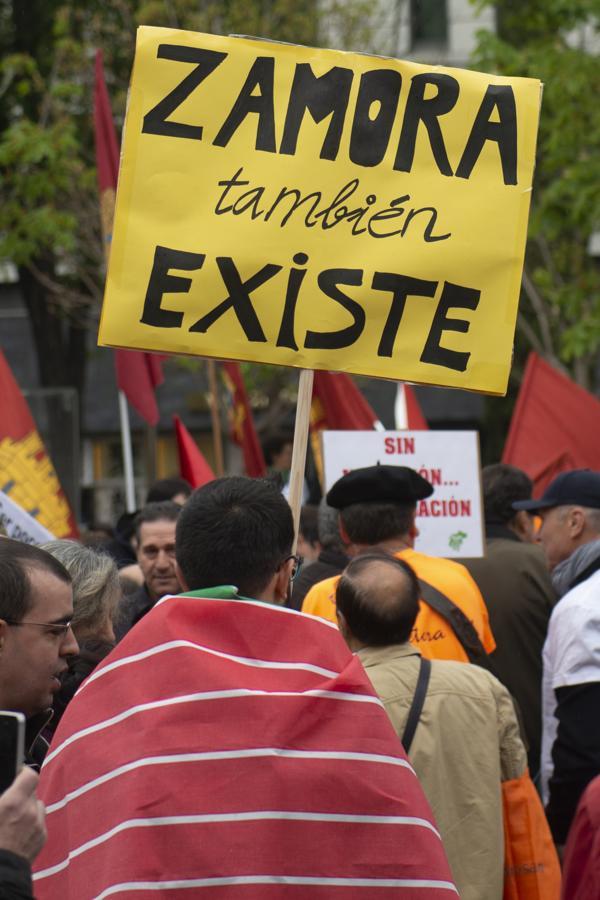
338 405
555 426
138 374
192 463
243 431
27 475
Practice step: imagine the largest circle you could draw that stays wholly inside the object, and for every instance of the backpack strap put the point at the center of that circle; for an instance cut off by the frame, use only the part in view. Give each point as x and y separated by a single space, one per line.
462 626
414 713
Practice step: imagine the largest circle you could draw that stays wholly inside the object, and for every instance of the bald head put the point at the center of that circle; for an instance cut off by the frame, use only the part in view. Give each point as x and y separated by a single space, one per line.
378 599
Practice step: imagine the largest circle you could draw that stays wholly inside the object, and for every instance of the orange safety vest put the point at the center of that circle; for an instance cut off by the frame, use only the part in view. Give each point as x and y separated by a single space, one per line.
432 634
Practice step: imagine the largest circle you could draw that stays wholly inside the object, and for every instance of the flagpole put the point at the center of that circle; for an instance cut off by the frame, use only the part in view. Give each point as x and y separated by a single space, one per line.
150 440
215 414
130 504
400 410
305 387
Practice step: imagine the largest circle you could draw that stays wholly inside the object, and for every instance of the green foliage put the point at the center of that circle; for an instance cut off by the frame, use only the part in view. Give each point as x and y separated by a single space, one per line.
282 20
40 168
553 40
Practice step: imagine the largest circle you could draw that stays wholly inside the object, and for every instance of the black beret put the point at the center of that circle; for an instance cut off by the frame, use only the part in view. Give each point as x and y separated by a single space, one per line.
379 484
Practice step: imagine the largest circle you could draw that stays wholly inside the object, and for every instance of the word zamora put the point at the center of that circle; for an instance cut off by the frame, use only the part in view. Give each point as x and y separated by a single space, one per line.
431 96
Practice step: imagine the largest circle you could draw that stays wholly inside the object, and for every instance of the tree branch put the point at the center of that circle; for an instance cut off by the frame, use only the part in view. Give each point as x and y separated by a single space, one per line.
544 249
541 313
530 334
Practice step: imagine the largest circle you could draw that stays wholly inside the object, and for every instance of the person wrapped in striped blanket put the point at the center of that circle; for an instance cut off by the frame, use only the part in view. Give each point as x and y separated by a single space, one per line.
230 747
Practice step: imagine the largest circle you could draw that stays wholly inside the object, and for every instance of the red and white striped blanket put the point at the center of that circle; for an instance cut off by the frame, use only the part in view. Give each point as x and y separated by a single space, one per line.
226 749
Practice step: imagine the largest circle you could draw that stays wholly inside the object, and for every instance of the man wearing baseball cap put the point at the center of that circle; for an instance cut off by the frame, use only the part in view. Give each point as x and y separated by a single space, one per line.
570 536
377 508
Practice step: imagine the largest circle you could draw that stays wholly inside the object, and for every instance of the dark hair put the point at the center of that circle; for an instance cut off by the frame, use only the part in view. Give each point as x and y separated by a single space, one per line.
234 530
156 512
125 526
379 606
328 527
167 488
16 559
372 523
309 523
274 443
502 486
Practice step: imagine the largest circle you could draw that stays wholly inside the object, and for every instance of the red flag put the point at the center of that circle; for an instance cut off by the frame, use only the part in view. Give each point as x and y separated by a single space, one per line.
192 464
243 431
238 750
555 425
138 374
338 404
27 475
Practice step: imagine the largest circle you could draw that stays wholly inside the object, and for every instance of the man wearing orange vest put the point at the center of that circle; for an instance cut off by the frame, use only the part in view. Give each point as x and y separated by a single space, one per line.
377 507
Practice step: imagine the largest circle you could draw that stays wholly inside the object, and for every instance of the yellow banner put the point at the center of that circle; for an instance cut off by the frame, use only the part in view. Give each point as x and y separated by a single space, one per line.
321 209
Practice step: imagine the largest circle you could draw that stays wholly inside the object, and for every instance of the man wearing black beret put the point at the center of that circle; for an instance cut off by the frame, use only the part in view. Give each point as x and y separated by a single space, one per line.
377 508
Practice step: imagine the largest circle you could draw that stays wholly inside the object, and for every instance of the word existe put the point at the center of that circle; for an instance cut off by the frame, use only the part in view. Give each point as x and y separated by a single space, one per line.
431 96
238 300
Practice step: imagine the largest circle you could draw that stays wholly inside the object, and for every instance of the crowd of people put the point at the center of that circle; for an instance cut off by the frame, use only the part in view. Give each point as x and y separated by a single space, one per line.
209 712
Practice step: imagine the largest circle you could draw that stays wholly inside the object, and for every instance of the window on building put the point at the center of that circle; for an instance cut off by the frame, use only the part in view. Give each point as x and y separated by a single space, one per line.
429 22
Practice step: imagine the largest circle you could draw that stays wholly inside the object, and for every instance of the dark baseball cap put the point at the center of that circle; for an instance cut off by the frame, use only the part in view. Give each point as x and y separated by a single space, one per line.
579 487
379 484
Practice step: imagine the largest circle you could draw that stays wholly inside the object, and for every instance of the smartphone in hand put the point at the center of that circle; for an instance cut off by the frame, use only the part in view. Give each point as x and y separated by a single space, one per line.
12 747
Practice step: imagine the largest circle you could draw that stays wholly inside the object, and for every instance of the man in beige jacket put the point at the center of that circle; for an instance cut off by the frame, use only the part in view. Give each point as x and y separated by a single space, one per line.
466 742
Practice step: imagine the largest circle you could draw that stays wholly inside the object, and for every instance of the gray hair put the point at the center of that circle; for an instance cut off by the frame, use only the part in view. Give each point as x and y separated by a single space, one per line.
327 522
592 516
96 587
329 528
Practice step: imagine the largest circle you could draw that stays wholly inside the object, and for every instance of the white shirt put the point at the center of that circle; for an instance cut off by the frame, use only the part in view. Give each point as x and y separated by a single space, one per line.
571 656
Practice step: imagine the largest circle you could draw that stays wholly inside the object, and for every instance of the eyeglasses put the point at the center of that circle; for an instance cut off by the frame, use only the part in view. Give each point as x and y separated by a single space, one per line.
56 629
298 560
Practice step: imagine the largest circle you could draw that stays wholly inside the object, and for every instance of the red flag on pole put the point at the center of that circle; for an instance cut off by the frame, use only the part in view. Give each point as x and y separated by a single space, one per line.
192 464
243 431
555 425
338 404
407 411
27 475
138 374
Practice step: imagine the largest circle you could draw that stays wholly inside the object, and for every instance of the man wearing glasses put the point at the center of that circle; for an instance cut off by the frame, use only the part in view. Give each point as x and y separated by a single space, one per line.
36 607
231 744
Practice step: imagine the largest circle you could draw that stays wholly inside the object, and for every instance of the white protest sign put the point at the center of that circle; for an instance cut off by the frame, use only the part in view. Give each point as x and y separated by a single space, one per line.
19 525
450 522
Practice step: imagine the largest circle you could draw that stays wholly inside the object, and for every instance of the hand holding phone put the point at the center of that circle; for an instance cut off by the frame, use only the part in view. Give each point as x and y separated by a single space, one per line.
22 817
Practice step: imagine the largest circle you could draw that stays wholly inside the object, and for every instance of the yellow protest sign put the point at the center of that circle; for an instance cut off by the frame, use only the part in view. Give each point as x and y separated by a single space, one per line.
321 209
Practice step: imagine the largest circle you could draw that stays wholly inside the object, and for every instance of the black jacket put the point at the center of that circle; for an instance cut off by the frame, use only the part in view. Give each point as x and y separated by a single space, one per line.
15 871
132 608
36 745
91 652
15 877
329 563
515 583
